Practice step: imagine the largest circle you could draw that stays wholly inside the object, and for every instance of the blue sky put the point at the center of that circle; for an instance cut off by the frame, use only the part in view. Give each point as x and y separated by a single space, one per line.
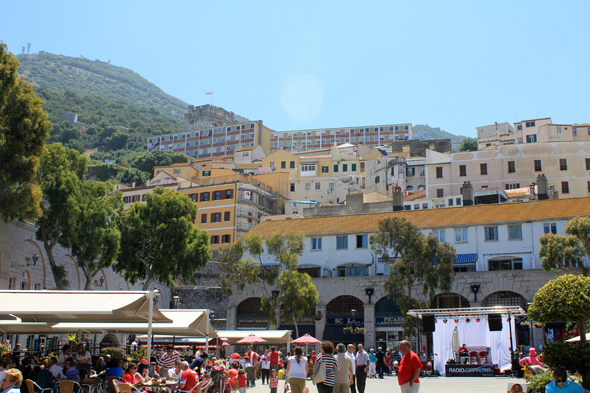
314 64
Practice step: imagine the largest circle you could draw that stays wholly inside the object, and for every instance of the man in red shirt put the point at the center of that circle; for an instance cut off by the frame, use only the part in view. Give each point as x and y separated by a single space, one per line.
251 358
313 357
409 369
189 377
274 359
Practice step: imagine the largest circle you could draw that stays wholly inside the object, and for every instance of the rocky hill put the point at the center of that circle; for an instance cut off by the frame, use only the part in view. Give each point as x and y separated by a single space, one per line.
424 132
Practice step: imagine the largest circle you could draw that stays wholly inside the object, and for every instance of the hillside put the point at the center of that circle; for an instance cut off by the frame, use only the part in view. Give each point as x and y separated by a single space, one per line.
83 76
424 132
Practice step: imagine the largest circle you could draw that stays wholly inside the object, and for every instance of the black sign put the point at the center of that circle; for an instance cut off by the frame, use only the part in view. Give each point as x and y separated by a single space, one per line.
252 321
469 370
359 321
390 321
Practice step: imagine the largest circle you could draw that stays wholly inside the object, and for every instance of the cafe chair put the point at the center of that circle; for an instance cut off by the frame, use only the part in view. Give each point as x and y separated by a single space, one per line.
32 387
124 387
108 386
67 386
196 389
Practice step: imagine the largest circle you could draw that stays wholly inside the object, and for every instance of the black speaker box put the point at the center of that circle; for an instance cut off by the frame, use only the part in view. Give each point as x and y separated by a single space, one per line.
428 323
495 322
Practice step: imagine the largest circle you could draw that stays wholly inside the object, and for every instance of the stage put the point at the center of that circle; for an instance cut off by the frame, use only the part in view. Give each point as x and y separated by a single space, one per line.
469 370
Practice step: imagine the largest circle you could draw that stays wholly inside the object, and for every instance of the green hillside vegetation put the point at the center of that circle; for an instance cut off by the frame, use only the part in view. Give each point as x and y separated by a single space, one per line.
424 133
83 76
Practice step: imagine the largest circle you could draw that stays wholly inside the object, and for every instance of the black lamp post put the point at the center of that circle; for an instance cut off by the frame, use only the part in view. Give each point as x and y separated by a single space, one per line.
475 290
35 258
353 312
370 291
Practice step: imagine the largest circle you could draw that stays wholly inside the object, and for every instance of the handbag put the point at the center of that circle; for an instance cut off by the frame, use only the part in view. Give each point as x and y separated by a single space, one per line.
321 374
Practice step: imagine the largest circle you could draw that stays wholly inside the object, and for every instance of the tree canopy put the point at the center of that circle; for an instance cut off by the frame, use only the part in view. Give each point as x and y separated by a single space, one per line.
23 130
159 240
469 144
147 162
559 252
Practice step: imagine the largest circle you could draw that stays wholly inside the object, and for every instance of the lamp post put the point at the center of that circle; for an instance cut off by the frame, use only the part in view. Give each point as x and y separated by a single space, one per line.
353 312
35 258
475 289
370 291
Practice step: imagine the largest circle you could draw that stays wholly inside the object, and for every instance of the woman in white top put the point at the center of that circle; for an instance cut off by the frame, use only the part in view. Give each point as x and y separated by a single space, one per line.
83 356
65 355
265 360
297 371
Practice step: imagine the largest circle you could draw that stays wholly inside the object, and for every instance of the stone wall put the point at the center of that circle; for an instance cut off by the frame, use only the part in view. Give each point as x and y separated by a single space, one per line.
205 116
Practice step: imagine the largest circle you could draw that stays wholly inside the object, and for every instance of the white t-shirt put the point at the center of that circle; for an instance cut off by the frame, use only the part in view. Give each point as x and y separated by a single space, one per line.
265 359
297 370
61 359
86 356
352 359
57 370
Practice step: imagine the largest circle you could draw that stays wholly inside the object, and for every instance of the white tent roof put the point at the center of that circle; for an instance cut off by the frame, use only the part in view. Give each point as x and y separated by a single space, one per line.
272 336
17 327
575 339
76 306
184 322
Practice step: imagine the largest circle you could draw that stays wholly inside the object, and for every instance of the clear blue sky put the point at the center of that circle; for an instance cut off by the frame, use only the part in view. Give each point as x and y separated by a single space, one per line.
313 64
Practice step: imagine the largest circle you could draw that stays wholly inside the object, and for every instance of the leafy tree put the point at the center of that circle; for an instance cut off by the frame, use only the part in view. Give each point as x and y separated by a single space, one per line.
418 260
159 240
242 262
104 172
93 235
129 176
559 252
23 130
116 141
469 144
60 175
147 162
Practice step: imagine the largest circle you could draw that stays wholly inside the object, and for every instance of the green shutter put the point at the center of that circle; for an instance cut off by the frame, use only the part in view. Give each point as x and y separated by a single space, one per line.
335 168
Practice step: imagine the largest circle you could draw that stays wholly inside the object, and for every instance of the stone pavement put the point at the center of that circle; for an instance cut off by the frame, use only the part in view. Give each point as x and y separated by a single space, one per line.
428 384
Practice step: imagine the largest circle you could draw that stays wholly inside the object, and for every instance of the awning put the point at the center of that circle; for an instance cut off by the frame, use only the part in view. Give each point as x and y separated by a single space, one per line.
78 306
465 260
15 327
272 336
184 323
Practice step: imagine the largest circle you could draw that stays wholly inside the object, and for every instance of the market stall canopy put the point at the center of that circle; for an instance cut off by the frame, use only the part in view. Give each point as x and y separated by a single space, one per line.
78 306
184 322
272 336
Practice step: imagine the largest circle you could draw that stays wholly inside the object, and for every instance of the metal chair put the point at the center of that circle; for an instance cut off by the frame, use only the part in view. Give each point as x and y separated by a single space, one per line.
108 385
32 387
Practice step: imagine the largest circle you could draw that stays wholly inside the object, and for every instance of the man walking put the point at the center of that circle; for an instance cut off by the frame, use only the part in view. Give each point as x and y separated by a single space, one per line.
350 354
380 357
343 377
362 365
409 369
251 358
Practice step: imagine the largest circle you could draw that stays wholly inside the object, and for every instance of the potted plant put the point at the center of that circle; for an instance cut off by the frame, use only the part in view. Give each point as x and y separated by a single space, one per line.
360 330
347 329
318 316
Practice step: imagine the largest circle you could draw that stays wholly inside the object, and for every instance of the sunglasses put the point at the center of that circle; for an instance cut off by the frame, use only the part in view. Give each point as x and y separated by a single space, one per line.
560 380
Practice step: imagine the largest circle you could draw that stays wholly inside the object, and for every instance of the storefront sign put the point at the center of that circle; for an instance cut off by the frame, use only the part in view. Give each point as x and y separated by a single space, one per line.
390 321
252 321
360 321
469 370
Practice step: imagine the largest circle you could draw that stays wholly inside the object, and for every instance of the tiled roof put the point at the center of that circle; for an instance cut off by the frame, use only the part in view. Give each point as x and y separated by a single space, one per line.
431 218
245 148
242 166
415 195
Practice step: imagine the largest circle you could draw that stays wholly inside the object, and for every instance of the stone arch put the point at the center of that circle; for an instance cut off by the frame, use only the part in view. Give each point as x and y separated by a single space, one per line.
387 307
42 263
449 300
504 298
251 307
25 278
342 306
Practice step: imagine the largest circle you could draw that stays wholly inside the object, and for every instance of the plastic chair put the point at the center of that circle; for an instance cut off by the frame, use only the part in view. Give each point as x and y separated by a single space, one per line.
109 386
124 387
196 389
32 387
473 357
67 386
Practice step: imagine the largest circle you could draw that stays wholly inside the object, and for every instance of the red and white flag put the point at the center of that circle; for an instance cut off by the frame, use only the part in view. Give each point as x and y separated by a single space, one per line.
209 93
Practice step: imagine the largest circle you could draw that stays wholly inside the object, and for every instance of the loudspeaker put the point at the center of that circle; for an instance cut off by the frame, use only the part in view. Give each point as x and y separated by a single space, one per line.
428 323
495 322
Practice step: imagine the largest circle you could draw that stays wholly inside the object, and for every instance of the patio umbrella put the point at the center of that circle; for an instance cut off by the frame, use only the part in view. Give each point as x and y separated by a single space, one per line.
251 339
456 343
306 339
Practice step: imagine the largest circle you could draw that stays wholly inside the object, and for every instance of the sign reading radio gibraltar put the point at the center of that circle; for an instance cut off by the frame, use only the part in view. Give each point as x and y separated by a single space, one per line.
466 370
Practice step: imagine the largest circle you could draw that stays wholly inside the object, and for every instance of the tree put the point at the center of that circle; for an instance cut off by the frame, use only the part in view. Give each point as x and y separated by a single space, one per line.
116 141
418 260
132 175
242 263
93 235
59 175
159 240
566 298
469 144
147 162
559 252
23 130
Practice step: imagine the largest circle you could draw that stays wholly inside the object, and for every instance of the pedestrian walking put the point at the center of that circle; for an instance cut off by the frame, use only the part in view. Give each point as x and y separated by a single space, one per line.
362 366
409 369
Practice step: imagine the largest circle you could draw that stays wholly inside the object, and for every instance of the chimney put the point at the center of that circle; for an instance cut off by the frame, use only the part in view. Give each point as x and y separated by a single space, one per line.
542 191
398 199
467 194
132 184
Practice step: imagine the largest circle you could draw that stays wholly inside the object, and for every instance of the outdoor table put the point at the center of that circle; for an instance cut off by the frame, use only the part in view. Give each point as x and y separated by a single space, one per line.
172 385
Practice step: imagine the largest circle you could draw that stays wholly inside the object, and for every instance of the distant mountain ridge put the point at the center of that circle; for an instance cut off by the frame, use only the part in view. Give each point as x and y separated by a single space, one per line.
424 132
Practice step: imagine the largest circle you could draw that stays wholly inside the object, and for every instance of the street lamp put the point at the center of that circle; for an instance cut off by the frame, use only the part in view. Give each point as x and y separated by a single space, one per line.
475 290
35 258
353 312
370 291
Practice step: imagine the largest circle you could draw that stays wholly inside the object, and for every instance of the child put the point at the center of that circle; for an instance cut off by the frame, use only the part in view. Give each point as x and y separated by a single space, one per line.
242 381
274 381
71 371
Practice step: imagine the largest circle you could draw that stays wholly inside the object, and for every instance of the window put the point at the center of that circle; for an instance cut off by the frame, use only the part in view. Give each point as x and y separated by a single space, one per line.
353 167
325 169
425 206
451 202
559 130
519 127
530 123
226 238
203 218
440 193
588 164
483 169
505 264
316 243
229 194
317 185
440 234
377 179
461 235
531 138
335 168
511 167
439 172
462 170
308 186
362 241
565 187
563 164
215 239
342 242
538 166
205 173
344 167
550 228
575 131
216 195
307 167
204 197
176 171
458 201
226 216
491 233
292 164
126 199
283 164
514 232
589 187
292 187
416 206
362 166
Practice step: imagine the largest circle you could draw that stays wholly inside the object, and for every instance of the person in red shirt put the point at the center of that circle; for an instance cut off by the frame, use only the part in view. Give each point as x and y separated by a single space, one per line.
274 359
409 369
313 357
129 376
190 379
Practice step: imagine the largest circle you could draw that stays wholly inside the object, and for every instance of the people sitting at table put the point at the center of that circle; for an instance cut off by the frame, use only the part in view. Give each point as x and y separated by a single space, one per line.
176 372
71 371
65 355
129 376
114 368
189 377
45 377
56 371
12 381
142 373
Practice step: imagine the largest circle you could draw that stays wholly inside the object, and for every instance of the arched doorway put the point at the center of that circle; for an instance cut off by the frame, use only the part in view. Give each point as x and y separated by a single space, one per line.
343 306
449 300
388 323
504 298
250 315
340 315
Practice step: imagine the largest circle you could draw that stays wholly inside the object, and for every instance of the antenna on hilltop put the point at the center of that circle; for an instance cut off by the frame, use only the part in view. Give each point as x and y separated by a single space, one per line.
29 48
23 50
109 61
